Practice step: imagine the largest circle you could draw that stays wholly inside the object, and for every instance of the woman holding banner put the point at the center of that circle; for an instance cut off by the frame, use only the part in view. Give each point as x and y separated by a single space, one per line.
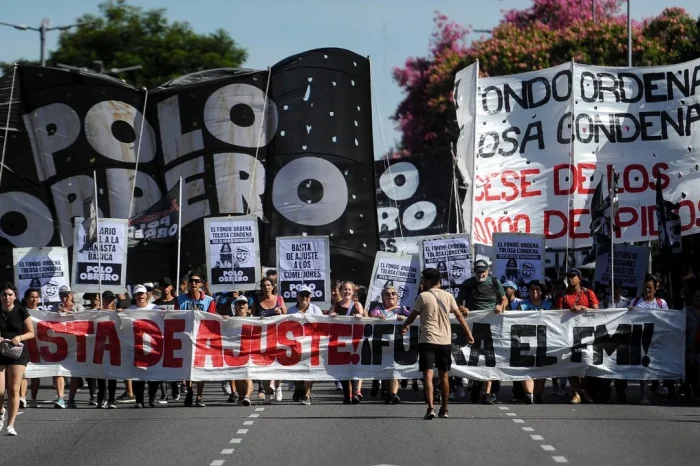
347 306
31 302
535 301
270 304
15 328
390 310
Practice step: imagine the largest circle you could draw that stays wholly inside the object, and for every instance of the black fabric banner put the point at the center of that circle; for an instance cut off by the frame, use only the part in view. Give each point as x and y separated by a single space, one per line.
419 192
221 133
159 223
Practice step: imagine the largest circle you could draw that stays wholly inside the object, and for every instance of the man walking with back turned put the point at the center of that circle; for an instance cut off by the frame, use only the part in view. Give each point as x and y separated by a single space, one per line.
434 307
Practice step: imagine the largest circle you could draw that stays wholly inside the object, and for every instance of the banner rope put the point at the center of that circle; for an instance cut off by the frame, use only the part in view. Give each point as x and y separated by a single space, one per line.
138 153
257 145
385 155
7 122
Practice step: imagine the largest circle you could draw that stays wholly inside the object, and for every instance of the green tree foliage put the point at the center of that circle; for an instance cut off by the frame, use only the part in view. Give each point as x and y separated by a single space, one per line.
123 35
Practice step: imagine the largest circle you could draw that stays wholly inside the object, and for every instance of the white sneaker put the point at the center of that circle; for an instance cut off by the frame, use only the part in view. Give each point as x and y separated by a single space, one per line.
226 387
278 393
22 403
644 401
3 417
465 382
11 431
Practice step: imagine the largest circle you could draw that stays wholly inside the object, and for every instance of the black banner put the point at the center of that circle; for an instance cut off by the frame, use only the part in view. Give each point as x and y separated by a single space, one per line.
159 223
221 132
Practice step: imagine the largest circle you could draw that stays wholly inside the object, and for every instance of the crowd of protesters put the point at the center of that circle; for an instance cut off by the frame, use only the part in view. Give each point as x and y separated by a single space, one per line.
481 292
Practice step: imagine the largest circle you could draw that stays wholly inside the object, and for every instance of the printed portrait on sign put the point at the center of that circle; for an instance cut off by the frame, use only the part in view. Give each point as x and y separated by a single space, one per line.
225 256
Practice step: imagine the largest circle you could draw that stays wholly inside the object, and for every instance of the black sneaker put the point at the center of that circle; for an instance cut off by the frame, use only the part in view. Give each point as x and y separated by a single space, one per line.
429 415
139 405
163 400
152 402
443 413
93 401
306 401
101 404
375 389
404 383
395 399
486 399
246 401
356 399
188 399
183 389
200 403
414 385
111 404
125 398
231 398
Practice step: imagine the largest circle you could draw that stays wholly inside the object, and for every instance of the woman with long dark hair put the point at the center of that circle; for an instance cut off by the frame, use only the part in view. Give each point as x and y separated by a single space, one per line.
270 304
15 329
31 302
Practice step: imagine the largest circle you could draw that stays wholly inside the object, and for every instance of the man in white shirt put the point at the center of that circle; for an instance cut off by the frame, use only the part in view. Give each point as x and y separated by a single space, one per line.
141 299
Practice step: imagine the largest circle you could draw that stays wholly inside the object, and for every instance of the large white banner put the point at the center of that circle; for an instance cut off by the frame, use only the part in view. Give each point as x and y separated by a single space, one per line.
45 269
304 261
402 271
233 253
177 345
543 140
110 268
631 266
518 257
451 255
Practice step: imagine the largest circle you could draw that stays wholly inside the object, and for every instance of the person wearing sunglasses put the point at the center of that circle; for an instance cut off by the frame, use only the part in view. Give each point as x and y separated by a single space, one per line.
195 300
390 309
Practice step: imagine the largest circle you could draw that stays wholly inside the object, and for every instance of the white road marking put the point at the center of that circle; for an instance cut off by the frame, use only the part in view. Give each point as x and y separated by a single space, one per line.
242 431
227 451
248 423
511 414
518 421
254 415
528 429
260 409
504 408
536 437
216 463
560 459
236 440
548 447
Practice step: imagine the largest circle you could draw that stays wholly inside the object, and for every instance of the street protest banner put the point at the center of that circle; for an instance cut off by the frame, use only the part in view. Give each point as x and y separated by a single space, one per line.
631 265
518 257
158 223
45 269
304 261
164 345
402 271
450 254
541 142
233 253
110 267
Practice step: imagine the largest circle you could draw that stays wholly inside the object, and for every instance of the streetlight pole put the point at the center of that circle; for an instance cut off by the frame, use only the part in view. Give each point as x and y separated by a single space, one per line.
42 30
629 35
593 10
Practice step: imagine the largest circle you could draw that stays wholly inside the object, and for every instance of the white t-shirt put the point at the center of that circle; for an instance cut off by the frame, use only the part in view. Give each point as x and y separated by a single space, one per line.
311 310
656 303
147 307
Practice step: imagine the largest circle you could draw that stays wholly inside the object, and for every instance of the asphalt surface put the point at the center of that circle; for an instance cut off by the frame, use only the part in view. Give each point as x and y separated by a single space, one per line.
371 433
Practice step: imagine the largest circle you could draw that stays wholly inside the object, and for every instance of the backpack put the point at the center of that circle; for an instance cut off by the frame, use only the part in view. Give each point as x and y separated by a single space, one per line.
639 298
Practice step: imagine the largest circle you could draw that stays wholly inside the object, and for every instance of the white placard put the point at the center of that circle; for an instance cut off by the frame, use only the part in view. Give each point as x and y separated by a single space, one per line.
113 246
450 254
45 269
304 260
518 257
233 253
402 271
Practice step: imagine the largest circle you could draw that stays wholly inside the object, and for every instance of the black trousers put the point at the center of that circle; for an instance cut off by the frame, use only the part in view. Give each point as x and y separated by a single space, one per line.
140 385
110 385
349 388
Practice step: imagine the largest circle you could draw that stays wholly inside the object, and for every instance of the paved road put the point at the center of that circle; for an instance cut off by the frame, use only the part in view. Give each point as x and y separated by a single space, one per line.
371 433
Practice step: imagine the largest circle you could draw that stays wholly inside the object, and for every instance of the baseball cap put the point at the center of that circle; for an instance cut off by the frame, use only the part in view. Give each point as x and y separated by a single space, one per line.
107 295
64 289
241 299
573 273
480 265
304 289
149 286
165 282
139 289
510 284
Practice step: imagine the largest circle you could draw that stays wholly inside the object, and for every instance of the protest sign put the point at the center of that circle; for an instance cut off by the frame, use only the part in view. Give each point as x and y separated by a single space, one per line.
304 261
233 253
113 247
44 269
402 271
162 345
450 254
518 257
631 265
541 142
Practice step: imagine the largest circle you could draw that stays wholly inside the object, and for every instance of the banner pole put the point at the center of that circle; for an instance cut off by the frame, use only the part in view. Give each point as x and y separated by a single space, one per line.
138 152
611 194
97 225
570 200
179 238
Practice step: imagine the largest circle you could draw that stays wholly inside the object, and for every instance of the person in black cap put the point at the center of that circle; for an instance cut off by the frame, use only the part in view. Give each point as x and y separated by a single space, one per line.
482 292
167 300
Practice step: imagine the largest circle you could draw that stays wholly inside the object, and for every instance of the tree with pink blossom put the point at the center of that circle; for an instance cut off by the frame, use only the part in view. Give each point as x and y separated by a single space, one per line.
549 33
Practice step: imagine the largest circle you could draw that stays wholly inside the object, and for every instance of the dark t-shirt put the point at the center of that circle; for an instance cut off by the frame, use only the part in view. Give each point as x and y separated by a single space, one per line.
170 305
480 296
12 323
